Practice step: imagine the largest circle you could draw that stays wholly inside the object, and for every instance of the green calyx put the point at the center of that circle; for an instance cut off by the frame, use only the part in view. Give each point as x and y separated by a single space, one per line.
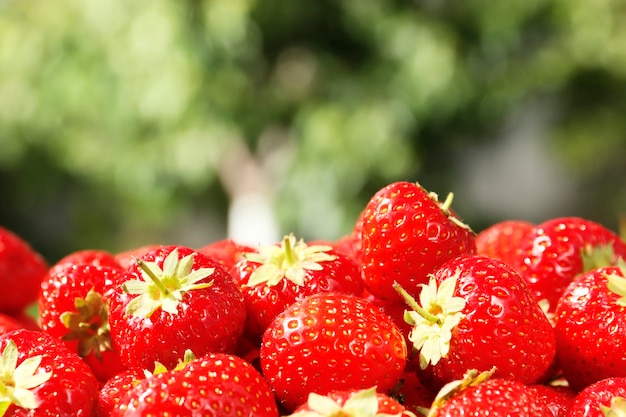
616 283
89 325
289 260
617 408
433 319
17 381
445 207
599 256
471 378
164 288
159 368
362 403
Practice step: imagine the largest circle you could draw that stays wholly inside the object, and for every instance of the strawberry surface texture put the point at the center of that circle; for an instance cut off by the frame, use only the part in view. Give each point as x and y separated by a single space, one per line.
411 313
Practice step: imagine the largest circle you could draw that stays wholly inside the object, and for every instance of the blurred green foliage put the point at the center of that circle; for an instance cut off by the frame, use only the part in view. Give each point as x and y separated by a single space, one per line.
116 117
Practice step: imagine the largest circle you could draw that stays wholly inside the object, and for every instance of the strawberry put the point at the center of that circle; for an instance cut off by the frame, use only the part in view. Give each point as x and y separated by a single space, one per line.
74 306
351 403
127 258
115 388
407 233
558 398
482 394
590 326
226 251
21 272
559 249
217 384
502 240
604 398
9 322
41 377
277 275
477 313
328 342
174 298
412 393
98 257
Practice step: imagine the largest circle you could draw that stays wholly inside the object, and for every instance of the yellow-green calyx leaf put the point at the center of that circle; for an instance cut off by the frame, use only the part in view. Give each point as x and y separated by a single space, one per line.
471 378
616 409
89 324
159 368
16 381
164 288
433 319
291 259
363 403
617 283
599 256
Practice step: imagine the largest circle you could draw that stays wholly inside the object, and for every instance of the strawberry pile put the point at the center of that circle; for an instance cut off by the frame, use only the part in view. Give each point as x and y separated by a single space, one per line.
411 314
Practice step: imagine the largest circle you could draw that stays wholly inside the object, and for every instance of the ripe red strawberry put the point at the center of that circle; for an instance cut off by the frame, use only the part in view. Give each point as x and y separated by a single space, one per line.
478 313
479 395
226 251
558 398
74 306
278 275
21 272
214 385
127 258
115 388
42 378
559 249
406 234
328 342
98 257
604 398
351 403
502 240
590 326
174 299
8 323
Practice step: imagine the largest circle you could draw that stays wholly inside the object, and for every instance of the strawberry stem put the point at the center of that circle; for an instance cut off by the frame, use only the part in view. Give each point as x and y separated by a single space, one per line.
410 301
445 206
153 277
288 250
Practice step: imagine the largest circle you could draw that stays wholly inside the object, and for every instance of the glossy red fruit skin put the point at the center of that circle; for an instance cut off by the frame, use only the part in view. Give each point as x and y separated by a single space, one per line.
8 323
331 341
72 389
494 397
503 240
558 398
590 330
21 271
587 402
97 257
208 320
127 258
405 236
503 325
215 385
550 257
64 283
226 251
264 302
112 391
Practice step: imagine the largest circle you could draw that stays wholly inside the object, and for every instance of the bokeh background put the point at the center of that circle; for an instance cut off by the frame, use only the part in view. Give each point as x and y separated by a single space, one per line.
153 121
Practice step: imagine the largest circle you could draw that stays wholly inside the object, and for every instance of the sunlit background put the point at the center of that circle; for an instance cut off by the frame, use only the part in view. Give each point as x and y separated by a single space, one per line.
151 121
